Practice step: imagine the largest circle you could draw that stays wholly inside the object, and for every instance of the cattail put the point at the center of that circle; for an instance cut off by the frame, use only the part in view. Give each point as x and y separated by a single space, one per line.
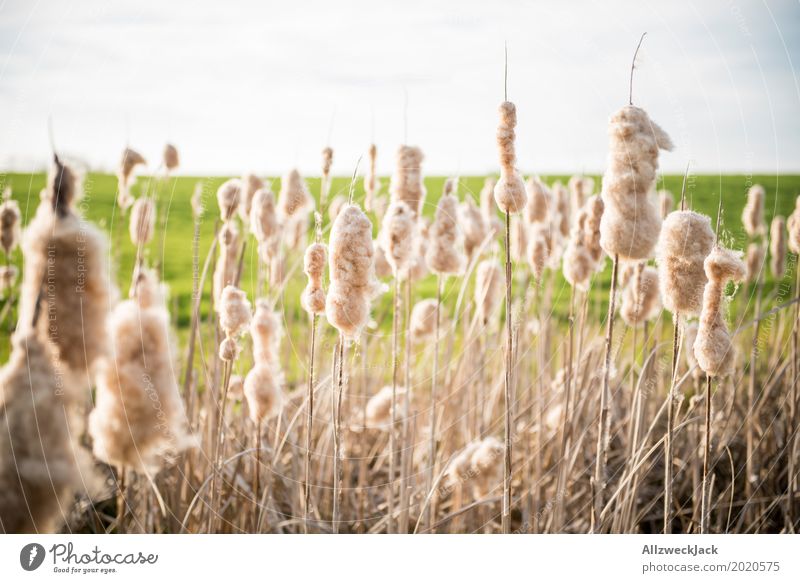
472 226
685 241
66 264
444 255
641 300
9 223
294 197
509 192
379 408
228 196
578 262
327 161
171 159
666 202
266 332
519 238
713 348
138 420
397 238
228 262
39 474
251 184
262 389
539 237
382 267
793 225
777 247
489 288
459 471
591 229
486 465
314 261
486 199
753 213
580 188
423 321
8 277
196 201
335 206
631 224
538 207
234 318
143 221
372 183
264 223
562 210
756 255
406 184
352 273
130 160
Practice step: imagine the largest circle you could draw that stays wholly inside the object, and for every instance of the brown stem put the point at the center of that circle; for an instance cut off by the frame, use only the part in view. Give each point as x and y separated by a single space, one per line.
506 517
309 423
668 447
704 509
434 375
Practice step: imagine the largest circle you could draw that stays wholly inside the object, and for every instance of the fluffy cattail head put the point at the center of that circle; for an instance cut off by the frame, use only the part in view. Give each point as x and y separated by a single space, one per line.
406 184
327 160
444 255
537 209
314 262
562 210
379 408
539 246
227 265
486 465
397 237
139 420
67 255
143 221
641 300
372 183
250 185
262 390
509 192
266 332
666 202
196 201
62 188
713 347
294 197
580 188
777 247
130 160
793 225
631 223
488 208
756 255
753 213
228 196
685 241
234 311
489 287
171 158
382 267
9 224
352 272
473 226
423 320
39 474
264 222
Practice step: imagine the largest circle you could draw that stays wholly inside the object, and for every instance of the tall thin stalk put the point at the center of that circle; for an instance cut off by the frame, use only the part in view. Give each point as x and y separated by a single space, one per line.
605 404
668 444
792 481
309 423
336 402
434 382
704 509
506 517
393 425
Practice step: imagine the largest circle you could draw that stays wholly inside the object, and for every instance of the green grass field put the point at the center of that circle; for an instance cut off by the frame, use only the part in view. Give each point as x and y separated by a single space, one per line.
174 251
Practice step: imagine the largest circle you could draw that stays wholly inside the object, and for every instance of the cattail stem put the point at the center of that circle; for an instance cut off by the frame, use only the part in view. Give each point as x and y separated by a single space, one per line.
605 404
309 424
506 516
218 442
392 426
336 402
404 458
257 473
434 382
792 481
704 509
750 466
565 418
668 446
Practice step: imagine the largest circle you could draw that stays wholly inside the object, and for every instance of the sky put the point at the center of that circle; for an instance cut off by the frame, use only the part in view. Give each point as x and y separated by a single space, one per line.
264 86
